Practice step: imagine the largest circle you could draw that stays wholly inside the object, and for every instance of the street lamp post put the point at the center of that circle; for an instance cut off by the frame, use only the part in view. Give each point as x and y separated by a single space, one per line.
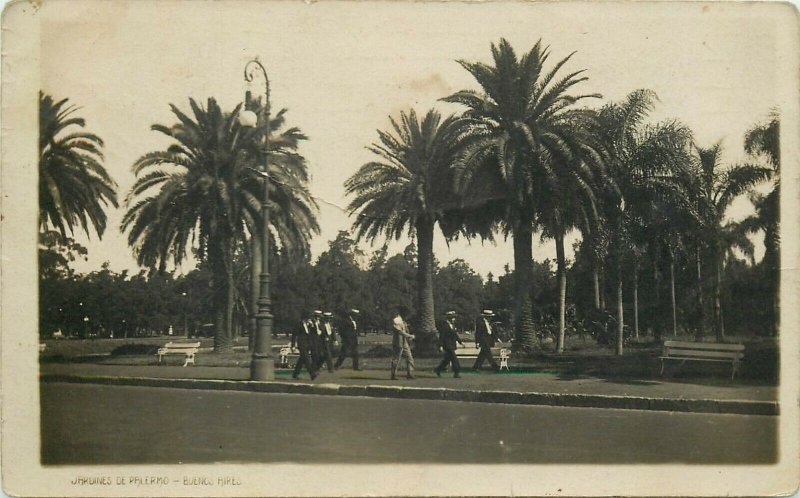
262 366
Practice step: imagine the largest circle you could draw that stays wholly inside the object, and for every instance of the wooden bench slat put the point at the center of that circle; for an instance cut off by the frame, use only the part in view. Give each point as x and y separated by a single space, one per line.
704 345
704 354
724 360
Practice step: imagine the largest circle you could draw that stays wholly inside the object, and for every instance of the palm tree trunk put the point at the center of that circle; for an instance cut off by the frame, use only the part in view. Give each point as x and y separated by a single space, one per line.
255 272
620 317
562 291
655 316
230 286
602 292
596 284
776 304
523 269
636 300
719 327
701 327
672 296
426 333
223 281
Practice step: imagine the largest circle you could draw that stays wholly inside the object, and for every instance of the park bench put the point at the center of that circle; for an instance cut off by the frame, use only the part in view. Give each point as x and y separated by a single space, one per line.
703 351
471 352
187 349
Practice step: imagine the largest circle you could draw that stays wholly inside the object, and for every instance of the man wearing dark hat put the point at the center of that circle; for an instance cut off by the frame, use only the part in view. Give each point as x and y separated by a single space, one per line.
326 341
485 339
303 338
348 330
448 337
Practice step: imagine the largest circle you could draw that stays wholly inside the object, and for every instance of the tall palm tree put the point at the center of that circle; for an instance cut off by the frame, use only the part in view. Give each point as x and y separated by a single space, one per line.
640 159
74 187
764 141
519 125
292 207
570 202
408 190
204 190
717 188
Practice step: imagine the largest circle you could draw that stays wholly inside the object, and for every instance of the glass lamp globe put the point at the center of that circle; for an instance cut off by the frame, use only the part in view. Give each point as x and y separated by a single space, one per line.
248 118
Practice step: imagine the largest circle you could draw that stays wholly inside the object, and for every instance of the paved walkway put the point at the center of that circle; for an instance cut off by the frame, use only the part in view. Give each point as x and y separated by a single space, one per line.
675 388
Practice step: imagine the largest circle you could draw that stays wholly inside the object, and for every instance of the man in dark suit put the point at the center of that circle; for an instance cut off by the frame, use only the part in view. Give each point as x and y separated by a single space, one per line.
303 339
315 324
448 337
325 327
348 332
485 339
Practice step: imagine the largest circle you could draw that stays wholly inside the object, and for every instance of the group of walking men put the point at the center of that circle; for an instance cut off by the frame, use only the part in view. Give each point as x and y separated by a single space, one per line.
314 339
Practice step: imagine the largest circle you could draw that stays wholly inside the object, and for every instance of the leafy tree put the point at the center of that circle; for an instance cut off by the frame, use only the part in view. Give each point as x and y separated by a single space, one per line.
74 187
457 287
338 280
519 126
408 190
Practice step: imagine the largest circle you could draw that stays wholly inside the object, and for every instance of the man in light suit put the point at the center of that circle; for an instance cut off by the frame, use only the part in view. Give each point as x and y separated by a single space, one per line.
448 337
485 339
401 347
348 331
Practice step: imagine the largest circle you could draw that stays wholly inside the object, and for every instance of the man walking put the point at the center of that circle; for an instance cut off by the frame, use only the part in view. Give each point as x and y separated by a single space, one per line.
326 340
348 332
303 339
485 339
448 337
400 344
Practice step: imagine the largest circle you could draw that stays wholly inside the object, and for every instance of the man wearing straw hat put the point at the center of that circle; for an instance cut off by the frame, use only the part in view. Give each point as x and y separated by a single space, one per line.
304 339
348 330
448 337
326 342
485 339
401 346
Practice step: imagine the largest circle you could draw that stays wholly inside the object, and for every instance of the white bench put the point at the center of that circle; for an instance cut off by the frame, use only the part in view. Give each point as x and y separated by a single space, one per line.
703 351
472 352
187 349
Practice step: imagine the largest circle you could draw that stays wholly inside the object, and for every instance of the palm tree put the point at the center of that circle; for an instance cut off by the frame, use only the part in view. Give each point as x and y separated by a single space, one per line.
764 141
716 189
641 159
520 127
571 203
408 190
292 207
74 187
204 190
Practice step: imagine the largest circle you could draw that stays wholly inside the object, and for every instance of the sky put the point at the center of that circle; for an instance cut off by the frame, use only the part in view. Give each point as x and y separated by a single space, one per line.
341 68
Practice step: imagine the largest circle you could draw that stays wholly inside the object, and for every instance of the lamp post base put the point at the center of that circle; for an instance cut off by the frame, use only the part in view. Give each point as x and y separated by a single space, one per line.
262 369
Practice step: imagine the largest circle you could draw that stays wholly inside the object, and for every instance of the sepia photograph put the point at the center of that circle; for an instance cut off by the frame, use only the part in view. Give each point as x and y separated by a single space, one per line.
334 248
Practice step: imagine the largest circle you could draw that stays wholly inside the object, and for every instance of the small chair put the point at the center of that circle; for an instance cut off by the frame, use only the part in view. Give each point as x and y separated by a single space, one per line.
505 354
284 355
